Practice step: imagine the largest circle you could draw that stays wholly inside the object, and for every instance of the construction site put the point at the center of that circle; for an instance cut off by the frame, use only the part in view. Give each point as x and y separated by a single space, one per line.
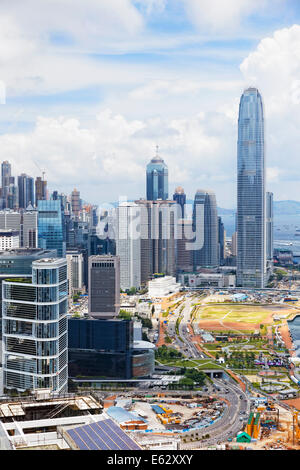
270 427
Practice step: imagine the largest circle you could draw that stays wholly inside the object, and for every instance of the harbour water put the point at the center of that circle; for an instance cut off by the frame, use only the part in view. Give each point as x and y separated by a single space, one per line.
294 327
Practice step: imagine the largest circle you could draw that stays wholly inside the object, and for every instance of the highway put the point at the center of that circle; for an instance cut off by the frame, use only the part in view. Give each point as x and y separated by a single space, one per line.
236 414
232 421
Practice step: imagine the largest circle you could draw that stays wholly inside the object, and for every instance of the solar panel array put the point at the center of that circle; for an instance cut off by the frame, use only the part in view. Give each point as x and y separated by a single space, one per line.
103 435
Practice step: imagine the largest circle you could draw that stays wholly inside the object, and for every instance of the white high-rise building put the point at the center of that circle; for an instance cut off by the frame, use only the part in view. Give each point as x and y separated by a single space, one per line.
75 271
9 239
35 328
128 244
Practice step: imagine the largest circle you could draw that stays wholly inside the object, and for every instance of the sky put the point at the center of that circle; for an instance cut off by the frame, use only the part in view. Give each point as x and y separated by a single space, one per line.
89 88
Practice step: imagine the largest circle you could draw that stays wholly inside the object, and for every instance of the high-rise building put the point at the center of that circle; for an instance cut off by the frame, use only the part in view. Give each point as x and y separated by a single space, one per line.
157 179
5 174
9 239
40 190
18 263
51 227
24 222
75 202
35 334
104 286
234 244
26 191
269 225
205 227
6 181
128 244
158 236
180 197
75 264
12 196
251 245
184 253
222 241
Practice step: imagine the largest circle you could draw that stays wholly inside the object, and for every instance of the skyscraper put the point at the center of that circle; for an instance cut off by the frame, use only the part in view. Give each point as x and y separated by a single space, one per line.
269 225
75 202
180 197
6 180
51 227
104 287
157 179
205 227
35 338
251 246
26 191
128 244
221 237
40 190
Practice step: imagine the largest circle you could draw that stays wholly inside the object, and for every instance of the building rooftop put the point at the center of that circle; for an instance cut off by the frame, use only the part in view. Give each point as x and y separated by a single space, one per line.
122 416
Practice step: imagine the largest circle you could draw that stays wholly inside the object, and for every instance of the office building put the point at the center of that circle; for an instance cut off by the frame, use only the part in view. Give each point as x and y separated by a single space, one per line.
40 190
100 348
75 203
157 179
24 222
234 244
51 234
158 237
104 286
75 264
251 227
12 196
221 241
128 244
26 191
269 225
18 263
180 197
184 252
205 227
34 323
9 239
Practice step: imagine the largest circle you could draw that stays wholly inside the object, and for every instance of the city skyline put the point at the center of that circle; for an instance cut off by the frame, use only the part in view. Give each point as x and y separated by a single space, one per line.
153 73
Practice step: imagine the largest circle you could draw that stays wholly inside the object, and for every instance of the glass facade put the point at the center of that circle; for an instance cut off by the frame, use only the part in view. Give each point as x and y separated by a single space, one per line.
34 326
51 227
251 246
205 226
157 180
143 363
100 348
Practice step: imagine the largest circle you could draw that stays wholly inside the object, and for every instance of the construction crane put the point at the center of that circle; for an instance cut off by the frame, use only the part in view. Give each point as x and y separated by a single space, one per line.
42 171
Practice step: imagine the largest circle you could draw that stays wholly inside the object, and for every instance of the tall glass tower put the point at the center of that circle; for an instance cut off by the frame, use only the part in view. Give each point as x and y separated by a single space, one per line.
51 227
205 225
251 246
35 335
157 179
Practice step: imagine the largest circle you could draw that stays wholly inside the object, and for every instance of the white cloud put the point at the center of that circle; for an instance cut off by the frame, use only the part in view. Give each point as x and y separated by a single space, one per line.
151 6
220 15
113 153
274 67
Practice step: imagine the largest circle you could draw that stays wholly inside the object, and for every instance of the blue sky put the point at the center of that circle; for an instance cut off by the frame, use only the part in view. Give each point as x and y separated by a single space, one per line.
93 86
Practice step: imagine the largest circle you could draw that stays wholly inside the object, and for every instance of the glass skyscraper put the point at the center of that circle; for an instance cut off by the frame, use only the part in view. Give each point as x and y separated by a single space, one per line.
251 246
35 334
205 226
51 227
157 179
